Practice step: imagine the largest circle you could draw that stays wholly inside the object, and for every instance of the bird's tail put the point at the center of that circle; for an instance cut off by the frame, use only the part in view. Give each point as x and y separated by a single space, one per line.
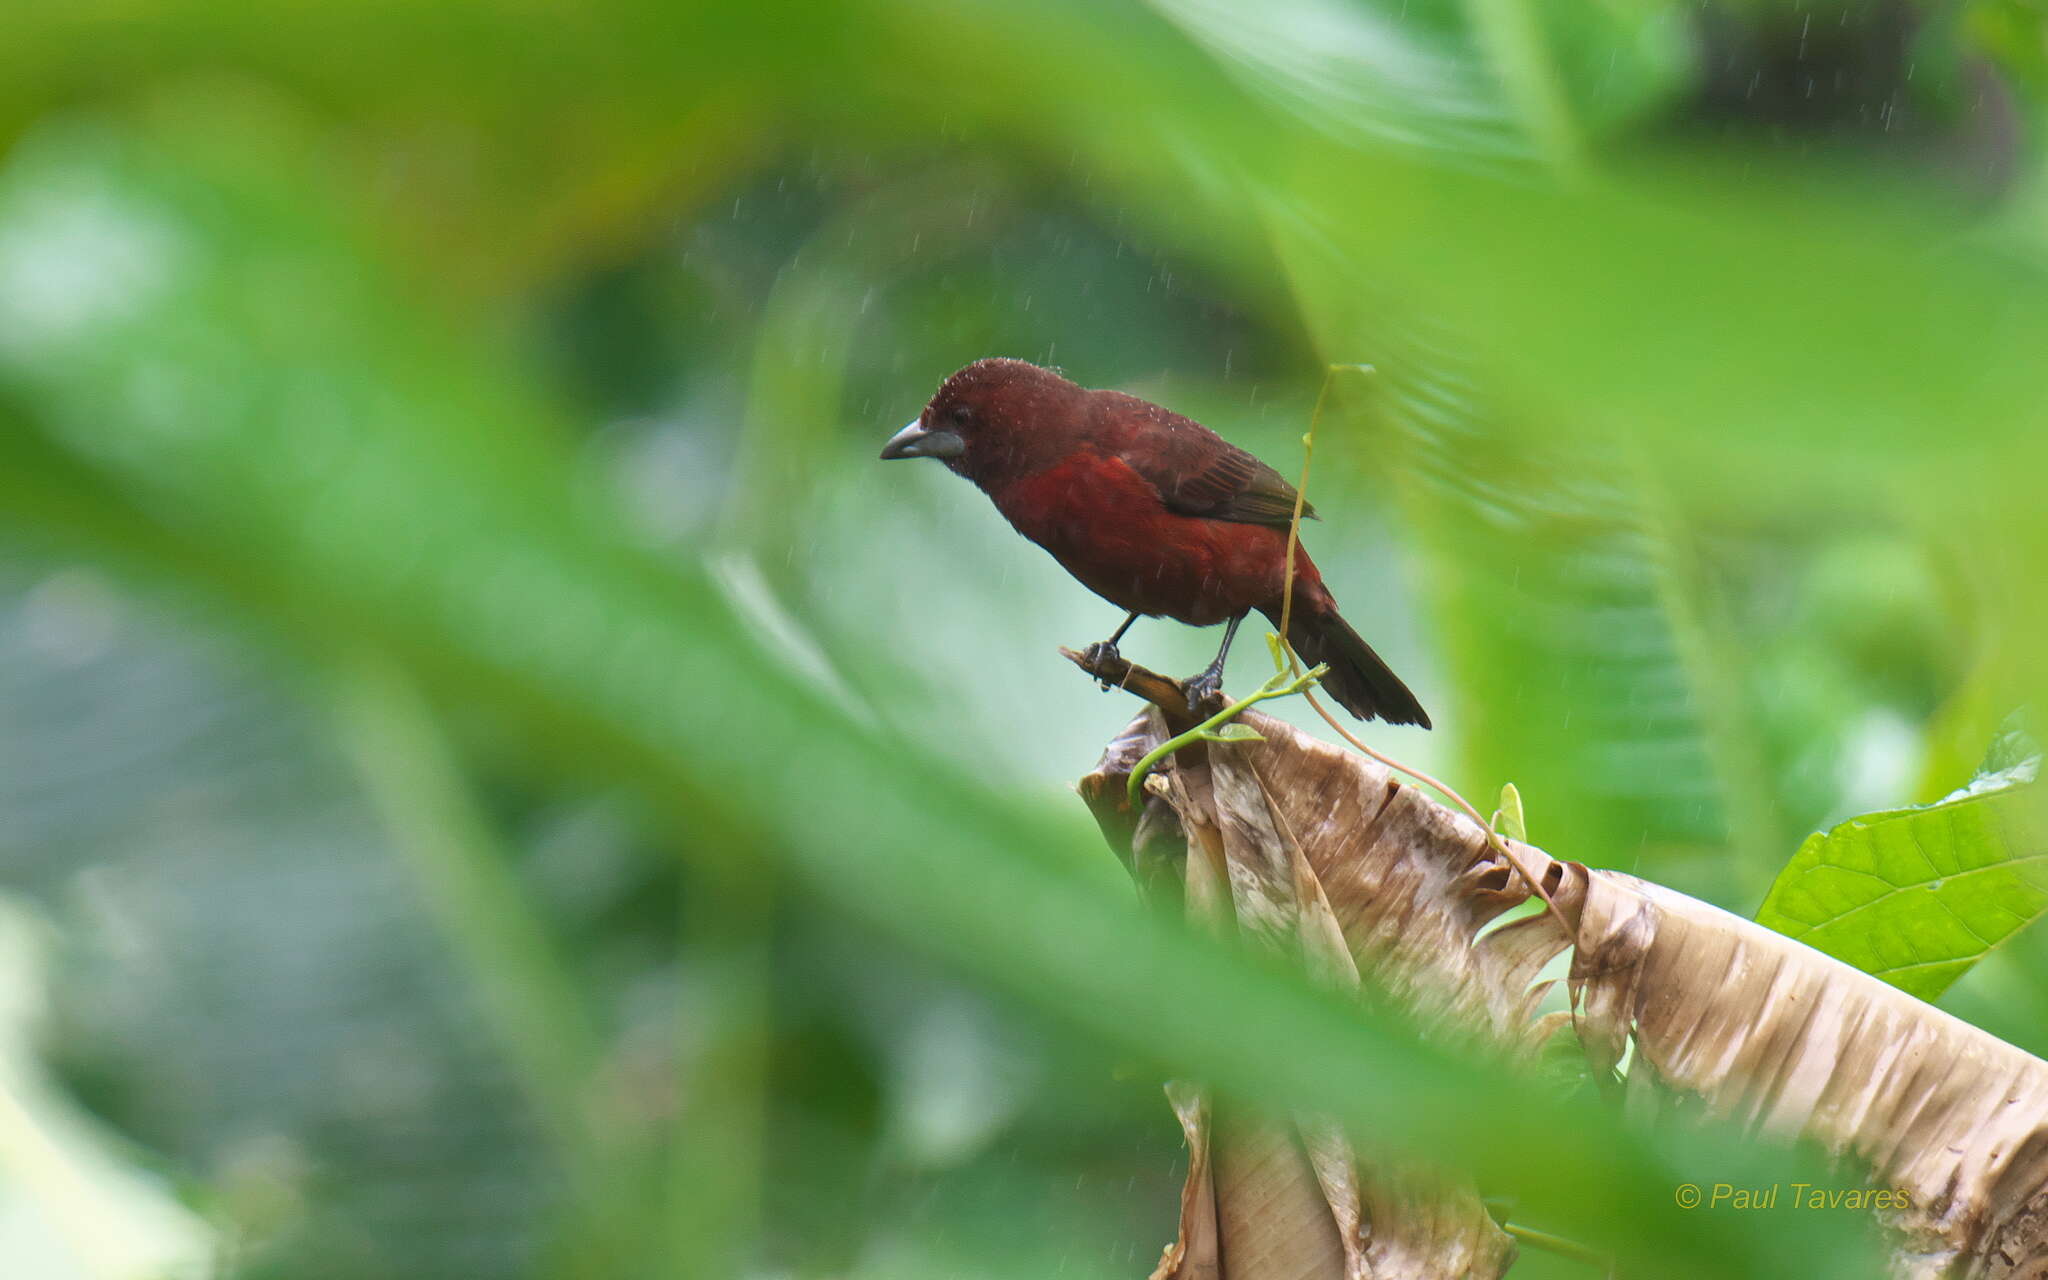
1359 679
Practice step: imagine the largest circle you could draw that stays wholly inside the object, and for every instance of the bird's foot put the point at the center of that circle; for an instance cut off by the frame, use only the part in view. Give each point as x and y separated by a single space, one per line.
1202 688
1099 653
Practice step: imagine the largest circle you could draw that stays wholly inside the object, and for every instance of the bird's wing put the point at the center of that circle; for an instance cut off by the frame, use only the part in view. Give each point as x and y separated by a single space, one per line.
1235 486
1199 473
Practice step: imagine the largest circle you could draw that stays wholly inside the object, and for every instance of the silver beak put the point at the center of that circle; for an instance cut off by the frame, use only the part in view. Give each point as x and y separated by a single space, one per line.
915 442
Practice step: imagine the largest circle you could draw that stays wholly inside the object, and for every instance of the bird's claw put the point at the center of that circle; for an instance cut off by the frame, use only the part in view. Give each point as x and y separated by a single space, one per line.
1097 655
1202 688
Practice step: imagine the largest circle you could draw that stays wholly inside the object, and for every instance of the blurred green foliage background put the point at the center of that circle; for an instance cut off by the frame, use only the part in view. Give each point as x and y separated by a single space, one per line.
496 780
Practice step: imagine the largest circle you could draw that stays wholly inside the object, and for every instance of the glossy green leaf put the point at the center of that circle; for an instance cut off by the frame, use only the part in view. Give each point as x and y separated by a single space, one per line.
1917 896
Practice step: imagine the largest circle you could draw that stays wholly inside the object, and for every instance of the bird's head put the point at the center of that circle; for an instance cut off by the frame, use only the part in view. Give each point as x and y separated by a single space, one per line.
995 419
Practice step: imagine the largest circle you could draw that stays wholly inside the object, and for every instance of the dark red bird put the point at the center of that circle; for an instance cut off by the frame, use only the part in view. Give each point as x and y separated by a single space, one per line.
1151 511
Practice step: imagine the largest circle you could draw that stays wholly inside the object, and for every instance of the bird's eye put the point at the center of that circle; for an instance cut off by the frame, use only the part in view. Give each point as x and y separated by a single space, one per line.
961 414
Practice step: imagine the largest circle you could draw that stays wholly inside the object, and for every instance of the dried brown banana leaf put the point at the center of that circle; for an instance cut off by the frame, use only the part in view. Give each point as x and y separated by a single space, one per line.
1316 852
1268 1199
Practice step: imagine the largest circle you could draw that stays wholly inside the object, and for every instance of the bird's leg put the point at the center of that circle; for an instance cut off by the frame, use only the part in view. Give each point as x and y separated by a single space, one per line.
1103 650
1210 681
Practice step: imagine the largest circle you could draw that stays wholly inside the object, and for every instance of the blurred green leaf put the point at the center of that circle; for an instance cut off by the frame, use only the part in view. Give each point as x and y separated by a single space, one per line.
1585 663
263 338
250 385
1541 451
511 960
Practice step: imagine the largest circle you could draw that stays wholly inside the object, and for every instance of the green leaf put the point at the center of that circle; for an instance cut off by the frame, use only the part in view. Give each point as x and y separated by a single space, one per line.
1513 822
2012 750
1917 896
